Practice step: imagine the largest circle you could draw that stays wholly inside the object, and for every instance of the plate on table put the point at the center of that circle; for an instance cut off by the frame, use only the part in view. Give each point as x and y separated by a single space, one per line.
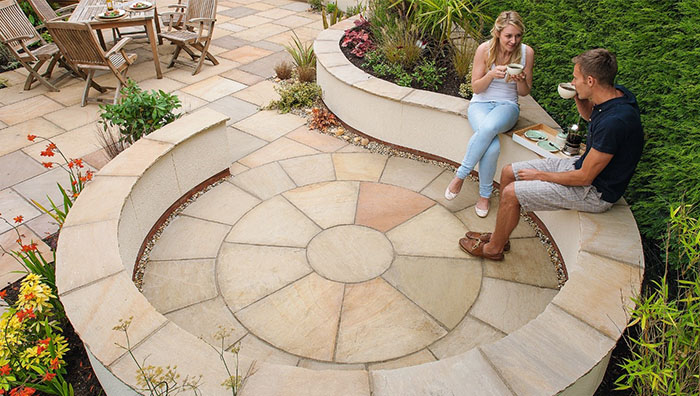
549 146
114 14
536 135
141 6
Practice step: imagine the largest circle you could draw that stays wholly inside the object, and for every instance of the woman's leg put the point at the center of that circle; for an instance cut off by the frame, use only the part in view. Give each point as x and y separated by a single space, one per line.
487 168
476 114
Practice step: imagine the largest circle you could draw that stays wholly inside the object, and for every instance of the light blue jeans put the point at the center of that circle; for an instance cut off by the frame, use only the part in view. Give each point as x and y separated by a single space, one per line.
487 119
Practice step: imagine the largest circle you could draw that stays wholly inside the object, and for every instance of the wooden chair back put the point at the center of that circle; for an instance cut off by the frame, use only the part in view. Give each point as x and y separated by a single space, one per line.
200 9
77 43
43 10
14 23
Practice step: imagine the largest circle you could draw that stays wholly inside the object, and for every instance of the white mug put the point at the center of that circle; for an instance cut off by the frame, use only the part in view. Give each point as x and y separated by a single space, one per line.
566 90
514 69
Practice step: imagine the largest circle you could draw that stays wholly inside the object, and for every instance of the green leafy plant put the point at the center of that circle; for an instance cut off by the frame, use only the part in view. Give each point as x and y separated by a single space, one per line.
31 344
335 15
465 88
358 8
296 95
139 113
316 5
304 59
399 44
429 76
235 381
438 18
463 51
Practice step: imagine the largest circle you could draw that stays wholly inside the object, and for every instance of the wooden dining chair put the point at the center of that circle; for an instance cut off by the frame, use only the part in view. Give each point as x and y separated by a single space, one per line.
80 47
47 13
27 46
176 19
199 18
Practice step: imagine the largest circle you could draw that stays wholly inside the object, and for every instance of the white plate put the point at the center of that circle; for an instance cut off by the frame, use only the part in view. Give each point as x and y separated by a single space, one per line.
120 13
143 5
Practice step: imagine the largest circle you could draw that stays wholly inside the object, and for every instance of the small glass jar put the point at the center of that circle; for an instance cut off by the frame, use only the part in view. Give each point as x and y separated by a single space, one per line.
560 139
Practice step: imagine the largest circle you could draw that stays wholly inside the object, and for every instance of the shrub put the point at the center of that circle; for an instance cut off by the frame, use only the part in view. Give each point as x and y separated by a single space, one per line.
322 119
139 113
297 95
429 76
399 44
358 39
465 88
283 70
335 15
439 17
304 59
358 8
463 50
316 5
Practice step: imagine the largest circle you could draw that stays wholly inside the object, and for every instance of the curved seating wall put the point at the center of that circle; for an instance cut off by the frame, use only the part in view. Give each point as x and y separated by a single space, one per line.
566 349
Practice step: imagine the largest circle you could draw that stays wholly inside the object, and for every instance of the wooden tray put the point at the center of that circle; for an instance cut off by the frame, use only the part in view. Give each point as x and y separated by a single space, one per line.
519 137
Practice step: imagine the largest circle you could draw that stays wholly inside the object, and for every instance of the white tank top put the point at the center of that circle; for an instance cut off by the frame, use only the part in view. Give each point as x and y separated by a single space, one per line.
499 90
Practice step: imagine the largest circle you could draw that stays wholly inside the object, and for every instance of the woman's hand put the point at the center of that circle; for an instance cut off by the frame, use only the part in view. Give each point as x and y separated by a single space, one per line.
521 77
497 72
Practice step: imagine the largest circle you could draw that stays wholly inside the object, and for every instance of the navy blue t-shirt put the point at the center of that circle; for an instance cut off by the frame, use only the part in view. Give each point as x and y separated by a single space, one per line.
616 129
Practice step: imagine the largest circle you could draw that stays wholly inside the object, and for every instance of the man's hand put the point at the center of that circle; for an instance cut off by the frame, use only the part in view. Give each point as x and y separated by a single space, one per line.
529 174
594 163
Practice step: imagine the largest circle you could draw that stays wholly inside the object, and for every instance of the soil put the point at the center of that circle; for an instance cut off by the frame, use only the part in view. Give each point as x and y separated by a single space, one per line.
78 369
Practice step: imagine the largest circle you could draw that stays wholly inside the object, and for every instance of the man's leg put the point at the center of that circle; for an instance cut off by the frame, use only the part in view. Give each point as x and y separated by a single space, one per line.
507 177
506 220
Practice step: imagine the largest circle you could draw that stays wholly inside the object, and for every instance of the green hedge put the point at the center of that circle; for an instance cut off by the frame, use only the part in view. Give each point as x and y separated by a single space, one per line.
657 44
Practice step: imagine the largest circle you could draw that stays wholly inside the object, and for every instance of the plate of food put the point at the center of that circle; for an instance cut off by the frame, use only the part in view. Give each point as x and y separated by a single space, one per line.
536 135
140 5
549 146
114 14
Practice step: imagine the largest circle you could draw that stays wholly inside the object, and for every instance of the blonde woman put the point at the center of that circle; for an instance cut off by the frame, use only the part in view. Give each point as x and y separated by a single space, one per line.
494 105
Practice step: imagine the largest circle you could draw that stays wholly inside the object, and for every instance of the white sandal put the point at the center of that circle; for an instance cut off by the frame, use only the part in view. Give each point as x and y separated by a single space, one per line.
449 195
481 212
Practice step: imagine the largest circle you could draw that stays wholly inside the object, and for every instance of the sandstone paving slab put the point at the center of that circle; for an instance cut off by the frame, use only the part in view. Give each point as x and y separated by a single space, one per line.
467 196
97 159
15 137
274 222
213 88
232 27
137 159
358 166
445 377
276 13
73 144
598 292
234 108
306 310
527 262
43 225
544 356
259 93
260 352
165 281
17 200
237 168
230 42
469 334
603 233
319 141
265 67
260 6
260 32
318 365
444 288
16 93
184 74
414 359
224 203
160 84
407 173
247 273
269 125
72 94
119 300
238 12
242 143
246 53
28 109
276 380
189 103
279 149
383 206
106 195
252 20
74 116
352 148
189 238
243 78
332 59
16 167
293 21
379 323
507 306
488 223
310 169
8 241
327 204
435 232
264 181
296 6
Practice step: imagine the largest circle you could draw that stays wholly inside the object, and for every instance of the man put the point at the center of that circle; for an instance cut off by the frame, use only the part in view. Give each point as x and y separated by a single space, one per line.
591 183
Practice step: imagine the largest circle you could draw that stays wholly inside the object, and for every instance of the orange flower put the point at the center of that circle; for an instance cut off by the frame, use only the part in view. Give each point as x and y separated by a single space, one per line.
5 370
45 341
90 174
48 377
78 162
3 294
18 219
54 364
40 349
51 146
73 182
31 137
47 164
47 153
83 179
29 248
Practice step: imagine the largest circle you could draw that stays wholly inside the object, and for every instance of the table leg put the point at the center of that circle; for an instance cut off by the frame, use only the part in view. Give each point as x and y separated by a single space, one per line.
152 38
101 38
156 20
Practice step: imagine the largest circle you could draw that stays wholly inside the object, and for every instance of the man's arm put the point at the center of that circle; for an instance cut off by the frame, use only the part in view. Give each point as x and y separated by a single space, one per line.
593 164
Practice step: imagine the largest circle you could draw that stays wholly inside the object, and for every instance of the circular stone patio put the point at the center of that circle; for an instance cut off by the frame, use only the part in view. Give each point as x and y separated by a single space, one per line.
342 260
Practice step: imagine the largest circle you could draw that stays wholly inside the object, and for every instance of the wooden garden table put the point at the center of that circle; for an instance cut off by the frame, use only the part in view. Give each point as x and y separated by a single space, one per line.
87 12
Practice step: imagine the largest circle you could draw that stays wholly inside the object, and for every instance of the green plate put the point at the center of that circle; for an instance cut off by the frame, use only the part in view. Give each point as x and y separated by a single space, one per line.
536 135
549 146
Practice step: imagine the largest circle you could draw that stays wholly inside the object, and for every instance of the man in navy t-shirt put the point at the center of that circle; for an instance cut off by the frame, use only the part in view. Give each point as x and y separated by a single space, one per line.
591 183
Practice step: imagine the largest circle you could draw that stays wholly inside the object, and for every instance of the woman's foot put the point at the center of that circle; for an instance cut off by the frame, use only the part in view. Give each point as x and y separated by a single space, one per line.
482 207
453 188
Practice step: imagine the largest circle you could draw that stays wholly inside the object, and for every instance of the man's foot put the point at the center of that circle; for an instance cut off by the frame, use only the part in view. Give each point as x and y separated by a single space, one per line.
482 207
477 248
485 237
453 188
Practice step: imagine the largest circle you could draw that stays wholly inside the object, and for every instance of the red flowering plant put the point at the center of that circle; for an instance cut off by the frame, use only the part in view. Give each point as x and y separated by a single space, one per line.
77 180
358 38
31 344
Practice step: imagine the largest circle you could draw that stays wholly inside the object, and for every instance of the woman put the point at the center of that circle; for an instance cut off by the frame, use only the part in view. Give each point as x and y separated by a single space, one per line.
494 106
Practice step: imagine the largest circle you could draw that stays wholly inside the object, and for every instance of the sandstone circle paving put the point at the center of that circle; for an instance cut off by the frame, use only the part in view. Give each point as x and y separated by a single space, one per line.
342 261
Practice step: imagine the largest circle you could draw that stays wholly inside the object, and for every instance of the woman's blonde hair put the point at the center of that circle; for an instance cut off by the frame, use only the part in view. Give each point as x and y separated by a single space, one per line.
504 19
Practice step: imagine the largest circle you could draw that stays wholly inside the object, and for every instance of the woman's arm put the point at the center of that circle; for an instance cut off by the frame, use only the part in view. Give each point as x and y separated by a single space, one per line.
524 79
481 78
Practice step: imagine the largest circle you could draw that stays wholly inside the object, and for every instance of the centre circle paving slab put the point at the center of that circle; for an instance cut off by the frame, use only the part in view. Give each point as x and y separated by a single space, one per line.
342 259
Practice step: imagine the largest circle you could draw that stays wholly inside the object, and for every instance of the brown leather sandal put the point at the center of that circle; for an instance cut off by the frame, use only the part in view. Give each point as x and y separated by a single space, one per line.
484 237
475 247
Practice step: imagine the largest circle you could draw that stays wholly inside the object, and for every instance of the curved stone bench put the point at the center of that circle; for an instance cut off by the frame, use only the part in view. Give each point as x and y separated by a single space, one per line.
566 349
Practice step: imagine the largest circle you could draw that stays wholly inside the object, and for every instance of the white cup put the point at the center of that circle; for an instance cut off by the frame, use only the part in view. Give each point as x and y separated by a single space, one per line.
514 68
566 90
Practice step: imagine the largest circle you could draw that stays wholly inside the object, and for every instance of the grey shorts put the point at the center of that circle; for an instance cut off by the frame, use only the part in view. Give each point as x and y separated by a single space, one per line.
541 195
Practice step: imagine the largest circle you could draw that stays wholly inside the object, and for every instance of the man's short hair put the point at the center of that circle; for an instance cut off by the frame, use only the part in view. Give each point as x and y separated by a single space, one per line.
599 63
